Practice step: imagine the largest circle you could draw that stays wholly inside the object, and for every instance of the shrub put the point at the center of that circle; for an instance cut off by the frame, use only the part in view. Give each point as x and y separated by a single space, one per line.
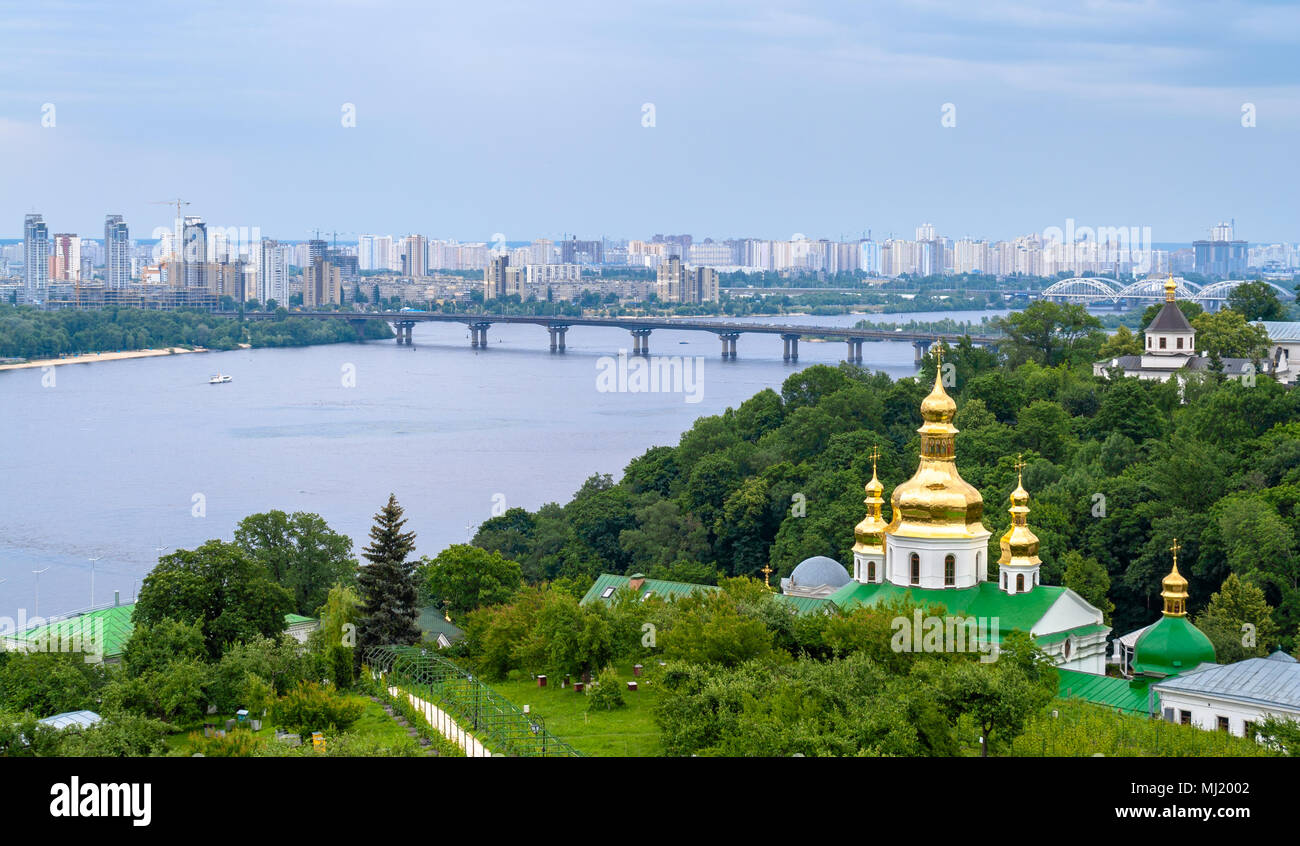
310 707
607 694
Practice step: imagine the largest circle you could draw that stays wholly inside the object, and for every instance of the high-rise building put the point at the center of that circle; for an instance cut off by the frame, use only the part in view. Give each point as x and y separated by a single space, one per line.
1222 255
502 280
65 263
678 283
117 252
272 272
36 256
194 253
322 284
415 256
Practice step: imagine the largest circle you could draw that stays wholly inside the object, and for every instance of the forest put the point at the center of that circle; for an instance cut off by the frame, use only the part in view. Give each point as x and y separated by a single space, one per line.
31 333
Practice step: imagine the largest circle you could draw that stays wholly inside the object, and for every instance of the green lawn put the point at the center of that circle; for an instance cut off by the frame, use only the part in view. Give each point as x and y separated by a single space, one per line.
375 725
628 731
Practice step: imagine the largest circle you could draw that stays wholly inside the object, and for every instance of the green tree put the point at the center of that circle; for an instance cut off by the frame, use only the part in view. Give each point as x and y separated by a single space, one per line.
1086 577
1226 334
462 578
1051 333
1122 342
1238 621
387 585
1256 301
230 593
301 552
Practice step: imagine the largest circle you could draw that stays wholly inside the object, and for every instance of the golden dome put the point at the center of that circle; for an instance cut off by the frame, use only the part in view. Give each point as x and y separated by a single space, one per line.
937 501
1019 544
870 533
1175 588
1171 288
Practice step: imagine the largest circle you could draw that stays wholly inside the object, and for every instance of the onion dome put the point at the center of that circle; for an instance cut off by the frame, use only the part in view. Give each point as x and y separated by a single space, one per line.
937 502
1019 544
870 533
1173 645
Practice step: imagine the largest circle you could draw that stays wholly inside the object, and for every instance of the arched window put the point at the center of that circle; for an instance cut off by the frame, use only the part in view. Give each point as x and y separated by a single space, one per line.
1020 582
916 569
950 570
871 571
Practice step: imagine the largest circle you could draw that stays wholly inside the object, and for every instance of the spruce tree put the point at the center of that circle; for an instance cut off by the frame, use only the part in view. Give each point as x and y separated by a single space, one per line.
387 585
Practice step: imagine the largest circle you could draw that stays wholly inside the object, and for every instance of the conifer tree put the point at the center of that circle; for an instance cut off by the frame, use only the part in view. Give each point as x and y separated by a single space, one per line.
387 585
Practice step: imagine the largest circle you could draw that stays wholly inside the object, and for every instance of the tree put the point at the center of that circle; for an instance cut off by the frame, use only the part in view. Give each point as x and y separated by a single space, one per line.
709 629
301 552
1050 333
463 577
1122 342
46 683
230 593
387 585
1086 577
1226 334
1238 621
1000 696
1256 301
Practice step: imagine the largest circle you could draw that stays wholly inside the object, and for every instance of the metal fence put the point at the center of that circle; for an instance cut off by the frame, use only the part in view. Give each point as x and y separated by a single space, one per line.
495 721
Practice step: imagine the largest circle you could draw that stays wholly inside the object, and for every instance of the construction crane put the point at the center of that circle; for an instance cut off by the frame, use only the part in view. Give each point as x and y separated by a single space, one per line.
178 203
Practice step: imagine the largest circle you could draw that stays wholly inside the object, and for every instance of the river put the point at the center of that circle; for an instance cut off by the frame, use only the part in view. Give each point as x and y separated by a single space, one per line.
116 459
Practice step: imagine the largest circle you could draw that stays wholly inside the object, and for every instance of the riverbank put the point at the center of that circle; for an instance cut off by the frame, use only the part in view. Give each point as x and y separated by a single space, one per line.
92 358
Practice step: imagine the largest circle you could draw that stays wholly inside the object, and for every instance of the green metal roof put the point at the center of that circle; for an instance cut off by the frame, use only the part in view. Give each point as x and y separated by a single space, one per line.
433 623
105 630
986 599
1129 696
1173 645
673 590
117 629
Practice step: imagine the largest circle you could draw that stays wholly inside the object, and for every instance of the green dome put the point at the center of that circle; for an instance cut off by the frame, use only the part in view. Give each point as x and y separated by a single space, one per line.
1172 646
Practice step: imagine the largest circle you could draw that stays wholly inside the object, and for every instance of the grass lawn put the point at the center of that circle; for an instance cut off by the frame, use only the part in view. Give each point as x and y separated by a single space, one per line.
627 731
375 724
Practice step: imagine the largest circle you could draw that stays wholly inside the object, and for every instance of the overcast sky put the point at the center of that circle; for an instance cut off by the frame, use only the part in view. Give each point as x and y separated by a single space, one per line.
526 118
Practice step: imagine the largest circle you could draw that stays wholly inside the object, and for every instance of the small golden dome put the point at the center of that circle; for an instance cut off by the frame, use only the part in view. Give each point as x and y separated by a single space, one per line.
1175 588
870 533
1019 544
1171 288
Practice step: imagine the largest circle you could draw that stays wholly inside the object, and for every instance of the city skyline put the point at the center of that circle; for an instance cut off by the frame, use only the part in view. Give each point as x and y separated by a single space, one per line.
446 111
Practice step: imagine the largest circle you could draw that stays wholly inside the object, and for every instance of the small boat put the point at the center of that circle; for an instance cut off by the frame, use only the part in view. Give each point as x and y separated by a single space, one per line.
219 379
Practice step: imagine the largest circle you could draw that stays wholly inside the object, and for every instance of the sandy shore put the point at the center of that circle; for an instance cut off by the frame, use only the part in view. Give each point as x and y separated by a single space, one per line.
90 359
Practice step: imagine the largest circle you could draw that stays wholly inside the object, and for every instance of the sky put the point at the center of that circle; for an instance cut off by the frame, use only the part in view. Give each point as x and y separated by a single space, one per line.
766 119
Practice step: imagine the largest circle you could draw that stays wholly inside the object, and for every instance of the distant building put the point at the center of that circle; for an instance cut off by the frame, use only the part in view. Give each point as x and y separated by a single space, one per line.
117 252
322 284
1221 256
1170 350
194 253
415 256
36 256
1235 697
1284 346
679 283
65 263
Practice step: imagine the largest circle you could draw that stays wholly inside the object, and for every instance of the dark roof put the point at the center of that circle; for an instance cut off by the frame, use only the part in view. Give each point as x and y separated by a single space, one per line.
1170 319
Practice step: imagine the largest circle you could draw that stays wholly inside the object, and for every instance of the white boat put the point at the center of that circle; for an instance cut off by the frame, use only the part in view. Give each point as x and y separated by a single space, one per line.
219 379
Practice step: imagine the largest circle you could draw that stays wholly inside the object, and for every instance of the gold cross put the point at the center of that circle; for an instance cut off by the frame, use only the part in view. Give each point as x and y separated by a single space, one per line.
766 571
1174 549
1020 462
875 456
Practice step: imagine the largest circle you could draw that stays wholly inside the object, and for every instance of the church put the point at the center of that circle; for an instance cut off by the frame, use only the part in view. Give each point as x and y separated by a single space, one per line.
1169 351
934 551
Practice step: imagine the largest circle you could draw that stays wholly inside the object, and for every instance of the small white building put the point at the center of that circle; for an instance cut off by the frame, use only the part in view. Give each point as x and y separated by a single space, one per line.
1232 697
1170 350
1283 348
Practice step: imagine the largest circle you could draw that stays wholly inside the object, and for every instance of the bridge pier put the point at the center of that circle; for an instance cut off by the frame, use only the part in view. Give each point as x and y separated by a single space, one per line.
791 351
921 347
854 354
478 335
402 328
557 331
358 326
728 343
641 342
